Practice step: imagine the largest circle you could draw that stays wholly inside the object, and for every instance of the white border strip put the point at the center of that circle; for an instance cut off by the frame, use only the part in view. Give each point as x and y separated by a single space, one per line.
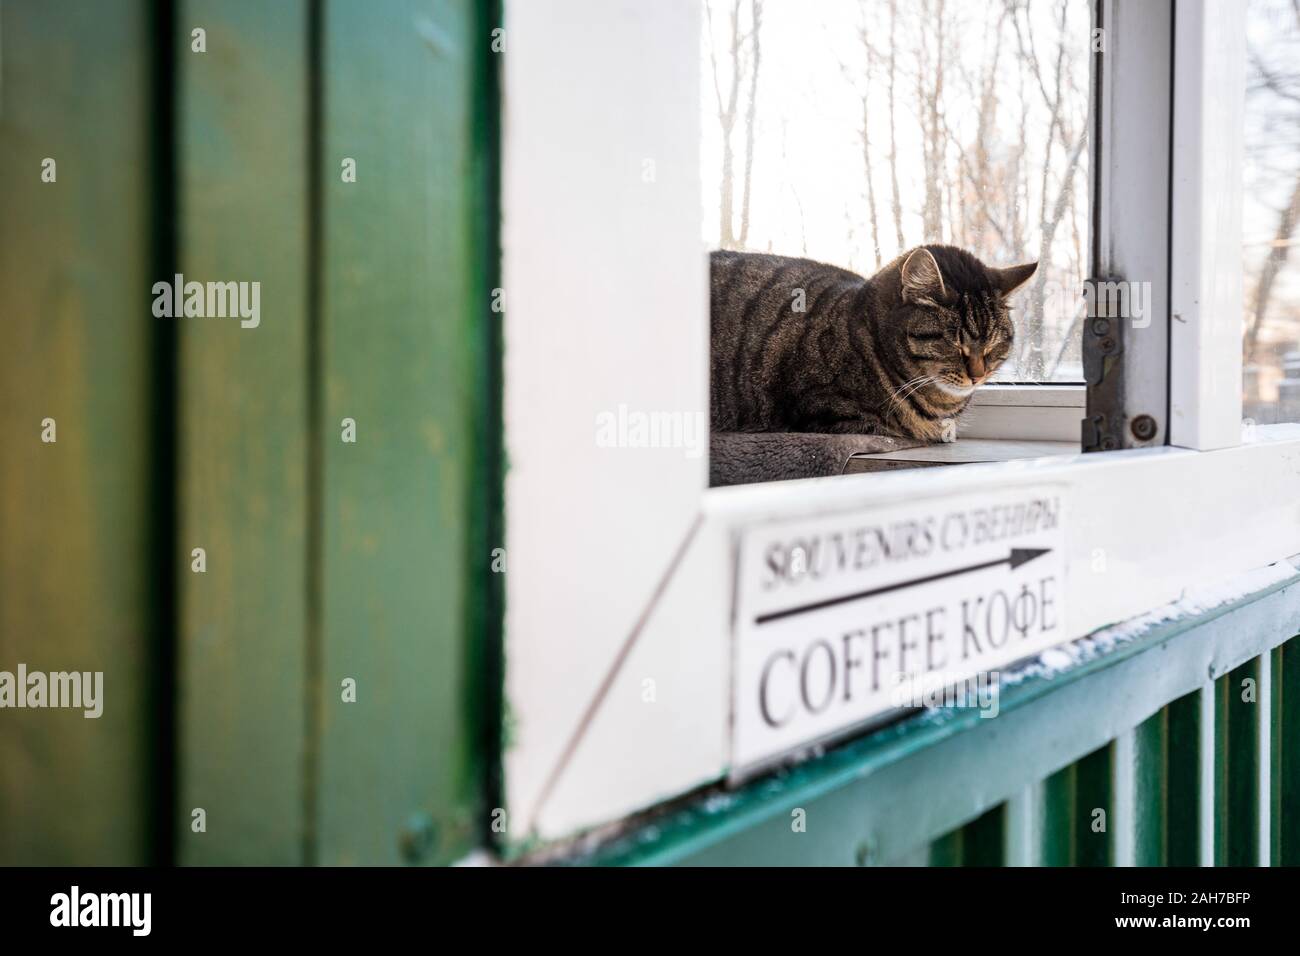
1205 245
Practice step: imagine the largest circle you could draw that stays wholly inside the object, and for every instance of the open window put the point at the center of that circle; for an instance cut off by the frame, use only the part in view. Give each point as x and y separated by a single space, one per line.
851 132
649 686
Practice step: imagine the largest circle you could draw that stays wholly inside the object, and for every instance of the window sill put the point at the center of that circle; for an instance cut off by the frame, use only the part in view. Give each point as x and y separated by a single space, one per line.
967 451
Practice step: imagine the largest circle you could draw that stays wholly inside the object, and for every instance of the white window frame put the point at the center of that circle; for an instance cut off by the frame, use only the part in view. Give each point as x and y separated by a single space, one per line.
622 561
1205 228
1039 412
1132 78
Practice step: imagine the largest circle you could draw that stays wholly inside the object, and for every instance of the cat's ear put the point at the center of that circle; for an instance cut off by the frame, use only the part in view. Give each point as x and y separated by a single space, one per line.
921 278
1013 277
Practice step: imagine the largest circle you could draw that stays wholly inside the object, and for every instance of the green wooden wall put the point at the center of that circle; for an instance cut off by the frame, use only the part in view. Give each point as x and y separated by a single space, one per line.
77 588
325 560
244 432
400 347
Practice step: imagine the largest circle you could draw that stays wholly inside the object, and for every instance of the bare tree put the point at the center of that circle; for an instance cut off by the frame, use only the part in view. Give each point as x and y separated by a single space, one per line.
1019 198
929 94
871 181
744 53
1051 208
1278 254
756 20
985 182
863 90
896 203
1284 89
986 193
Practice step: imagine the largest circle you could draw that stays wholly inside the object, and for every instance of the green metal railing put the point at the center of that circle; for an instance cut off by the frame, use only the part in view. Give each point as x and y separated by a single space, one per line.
1178 746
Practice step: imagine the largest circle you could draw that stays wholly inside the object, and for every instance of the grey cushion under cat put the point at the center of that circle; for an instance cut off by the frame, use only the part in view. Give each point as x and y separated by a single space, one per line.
738 458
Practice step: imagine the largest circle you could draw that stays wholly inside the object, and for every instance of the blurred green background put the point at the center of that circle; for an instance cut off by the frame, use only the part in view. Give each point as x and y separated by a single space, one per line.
325 560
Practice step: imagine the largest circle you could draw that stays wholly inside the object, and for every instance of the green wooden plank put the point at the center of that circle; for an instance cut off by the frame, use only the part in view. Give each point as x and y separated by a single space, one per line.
243 421
76 524
1151 791
984 839
1183 775
1243 776
487 653
1264 760
1060 794
1222 714
404 326
1286 754
1094 823
1236 767
981 842
1078 813
1277 815
947 850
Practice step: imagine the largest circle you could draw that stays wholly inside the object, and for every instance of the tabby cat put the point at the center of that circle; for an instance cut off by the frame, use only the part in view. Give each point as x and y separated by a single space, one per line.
802 346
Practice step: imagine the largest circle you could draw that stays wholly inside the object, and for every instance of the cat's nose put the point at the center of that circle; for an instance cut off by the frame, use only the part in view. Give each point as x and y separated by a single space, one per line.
974 366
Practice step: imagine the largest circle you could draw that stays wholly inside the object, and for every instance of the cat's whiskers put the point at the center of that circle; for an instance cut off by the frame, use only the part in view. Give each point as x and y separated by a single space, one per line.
920 379
907 388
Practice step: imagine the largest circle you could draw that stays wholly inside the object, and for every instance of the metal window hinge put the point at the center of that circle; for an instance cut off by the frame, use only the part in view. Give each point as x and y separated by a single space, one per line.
1103 371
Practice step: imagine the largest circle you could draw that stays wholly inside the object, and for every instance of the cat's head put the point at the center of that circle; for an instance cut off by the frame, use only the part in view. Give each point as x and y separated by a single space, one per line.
955 317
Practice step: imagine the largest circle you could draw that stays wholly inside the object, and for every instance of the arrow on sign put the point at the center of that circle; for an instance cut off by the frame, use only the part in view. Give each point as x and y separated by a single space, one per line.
1016 558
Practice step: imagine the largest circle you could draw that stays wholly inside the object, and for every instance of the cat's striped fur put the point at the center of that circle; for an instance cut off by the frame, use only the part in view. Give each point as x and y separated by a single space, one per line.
899 353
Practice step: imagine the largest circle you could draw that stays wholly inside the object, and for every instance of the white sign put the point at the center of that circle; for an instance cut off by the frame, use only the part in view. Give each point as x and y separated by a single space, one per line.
846 617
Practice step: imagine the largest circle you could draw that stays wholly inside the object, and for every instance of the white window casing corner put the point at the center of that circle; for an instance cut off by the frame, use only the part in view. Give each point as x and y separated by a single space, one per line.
1205 231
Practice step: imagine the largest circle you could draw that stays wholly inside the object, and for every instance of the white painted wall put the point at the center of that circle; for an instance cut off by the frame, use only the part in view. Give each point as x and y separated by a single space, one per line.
605 280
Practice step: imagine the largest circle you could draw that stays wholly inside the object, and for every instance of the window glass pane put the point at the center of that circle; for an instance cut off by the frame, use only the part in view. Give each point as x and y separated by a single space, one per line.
1271 179
851 130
